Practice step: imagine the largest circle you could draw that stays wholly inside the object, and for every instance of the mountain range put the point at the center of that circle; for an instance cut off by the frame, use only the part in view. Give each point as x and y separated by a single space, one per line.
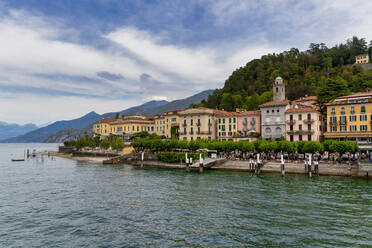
8 130
68 129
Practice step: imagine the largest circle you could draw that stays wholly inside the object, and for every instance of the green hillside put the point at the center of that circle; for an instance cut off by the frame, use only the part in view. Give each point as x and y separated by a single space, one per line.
322 71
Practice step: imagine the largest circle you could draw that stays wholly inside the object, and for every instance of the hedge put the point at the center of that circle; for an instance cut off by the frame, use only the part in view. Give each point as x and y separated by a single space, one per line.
173 157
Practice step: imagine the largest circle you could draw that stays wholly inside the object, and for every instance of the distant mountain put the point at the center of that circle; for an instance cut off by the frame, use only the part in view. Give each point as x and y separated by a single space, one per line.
12 130
141 109
64 130
179 104
41 134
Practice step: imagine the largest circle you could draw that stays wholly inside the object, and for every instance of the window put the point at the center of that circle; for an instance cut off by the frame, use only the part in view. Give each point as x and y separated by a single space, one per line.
299 137
234 120
352 118
198 129
278 130
363 109
299 127
267 130
191 122
272 111
363 128
229 120
343 128
229 127
333 128
291 138
223 120
342 110
309 127
191 130
291 127
342 120
277 110
277 89
333 111
291 117
363 117
309 117
219 121
267 111
353 128
309 137
300 117
174 119
352 110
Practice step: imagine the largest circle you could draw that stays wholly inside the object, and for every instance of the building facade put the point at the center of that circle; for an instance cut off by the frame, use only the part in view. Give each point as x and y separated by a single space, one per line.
131 125
102 127
273 113
362 59
249 122
227 125
303 123
350 118
197 123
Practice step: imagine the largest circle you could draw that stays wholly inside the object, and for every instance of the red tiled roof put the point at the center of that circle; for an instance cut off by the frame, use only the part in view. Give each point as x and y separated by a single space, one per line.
255 112
307 98
301 109
275 103
105 120
360 94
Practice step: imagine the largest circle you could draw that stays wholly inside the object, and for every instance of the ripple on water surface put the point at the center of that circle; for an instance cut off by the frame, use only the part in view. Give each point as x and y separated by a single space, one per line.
64 203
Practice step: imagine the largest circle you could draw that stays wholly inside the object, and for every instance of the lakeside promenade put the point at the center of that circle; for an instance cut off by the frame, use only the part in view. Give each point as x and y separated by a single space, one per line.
296 167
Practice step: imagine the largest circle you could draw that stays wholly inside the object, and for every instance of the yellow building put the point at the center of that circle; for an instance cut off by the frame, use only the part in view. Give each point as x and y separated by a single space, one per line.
227 125
198 123
123 125
131 125
350 118
362 59
166 122
102 127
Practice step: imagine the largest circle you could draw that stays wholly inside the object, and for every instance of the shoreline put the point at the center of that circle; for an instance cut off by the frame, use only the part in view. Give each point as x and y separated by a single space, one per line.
325 169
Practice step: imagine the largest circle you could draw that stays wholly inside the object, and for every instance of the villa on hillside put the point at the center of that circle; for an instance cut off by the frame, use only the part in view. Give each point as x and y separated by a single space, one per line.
362 59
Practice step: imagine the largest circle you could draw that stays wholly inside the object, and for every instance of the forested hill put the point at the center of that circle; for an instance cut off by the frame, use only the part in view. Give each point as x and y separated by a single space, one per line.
326 72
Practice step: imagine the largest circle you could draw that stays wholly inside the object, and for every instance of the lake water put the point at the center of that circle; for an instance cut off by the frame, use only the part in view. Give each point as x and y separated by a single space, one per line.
64 203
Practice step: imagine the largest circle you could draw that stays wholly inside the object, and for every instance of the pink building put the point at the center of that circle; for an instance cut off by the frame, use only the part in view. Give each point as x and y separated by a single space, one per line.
248 123
303 123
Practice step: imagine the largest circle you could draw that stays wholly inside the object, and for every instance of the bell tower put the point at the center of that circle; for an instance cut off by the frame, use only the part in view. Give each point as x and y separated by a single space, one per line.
278 90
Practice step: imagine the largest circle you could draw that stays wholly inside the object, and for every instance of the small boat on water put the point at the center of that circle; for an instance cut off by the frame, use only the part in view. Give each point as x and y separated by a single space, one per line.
18 160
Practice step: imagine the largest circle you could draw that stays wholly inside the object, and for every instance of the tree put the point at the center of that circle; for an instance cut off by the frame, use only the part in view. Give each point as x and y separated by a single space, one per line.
226 102
330 90
105 144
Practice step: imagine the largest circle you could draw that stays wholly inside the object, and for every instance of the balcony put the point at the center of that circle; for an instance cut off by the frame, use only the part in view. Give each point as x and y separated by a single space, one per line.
183 133
204 132
309 121
191 132
344 122
291 132
198 124
184 125
333 123
291 122
304 132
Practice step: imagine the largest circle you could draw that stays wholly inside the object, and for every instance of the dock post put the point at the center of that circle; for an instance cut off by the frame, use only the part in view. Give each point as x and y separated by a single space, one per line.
282 165
201 162
28 153
309 166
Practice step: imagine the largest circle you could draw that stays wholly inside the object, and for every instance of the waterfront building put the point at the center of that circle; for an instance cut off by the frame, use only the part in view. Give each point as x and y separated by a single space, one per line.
198 123
167 124
102 127
303 122
248 125
350 118
227 125
131 125
273 113
362 59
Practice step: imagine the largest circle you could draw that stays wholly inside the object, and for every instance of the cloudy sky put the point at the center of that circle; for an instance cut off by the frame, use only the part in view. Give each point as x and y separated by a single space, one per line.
62 59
